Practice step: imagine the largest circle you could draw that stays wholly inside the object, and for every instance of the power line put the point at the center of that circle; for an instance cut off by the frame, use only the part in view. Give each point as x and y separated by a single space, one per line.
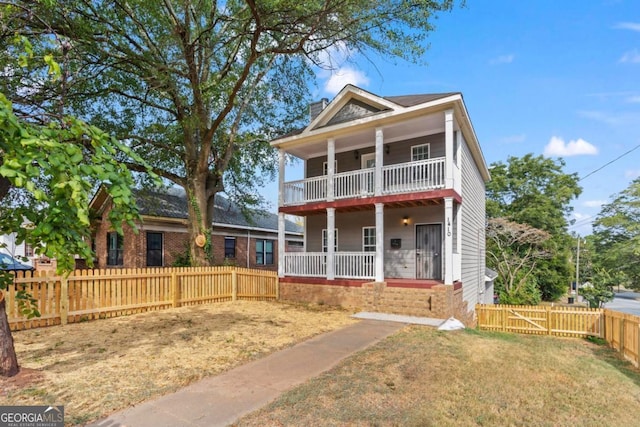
607 164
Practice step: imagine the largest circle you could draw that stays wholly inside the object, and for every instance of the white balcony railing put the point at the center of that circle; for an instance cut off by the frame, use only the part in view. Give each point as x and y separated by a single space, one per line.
413 176
407 177
358 183
347 265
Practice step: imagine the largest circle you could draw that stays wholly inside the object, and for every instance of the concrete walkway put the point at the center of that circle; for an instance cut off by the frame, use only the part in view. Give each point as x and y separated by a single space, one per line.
223 399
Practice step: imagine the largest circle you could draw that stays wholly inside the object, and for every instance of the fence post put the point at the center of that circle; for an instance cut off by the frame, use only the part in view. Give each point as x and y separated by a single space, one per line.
64 300
175 290
548 309
234 285
277 288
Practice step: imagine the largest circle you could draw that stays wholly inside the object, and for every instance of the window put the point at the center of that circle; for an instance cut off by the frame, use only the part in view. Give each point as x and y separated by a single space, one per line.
264 252
114 249
154 249
229 247
419 152
324 240
369 239
28 250
325 167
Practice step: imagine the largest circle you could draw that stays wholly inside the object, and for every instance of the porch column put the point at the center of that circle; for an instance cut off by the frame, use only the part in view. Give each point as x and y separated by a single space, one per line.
379 242
448 241
331 227
331 162
280 177
379 159
281 243
448 144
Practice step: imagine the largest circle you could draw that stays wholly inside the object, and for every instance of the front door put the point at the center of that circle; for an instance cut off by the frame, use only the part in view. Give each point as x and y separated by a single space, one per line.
429 251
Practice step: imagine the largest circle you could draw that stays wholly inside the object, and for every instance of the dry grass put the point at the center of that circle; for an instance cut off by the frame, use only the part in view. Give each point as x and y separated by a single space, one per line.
423 377
98 367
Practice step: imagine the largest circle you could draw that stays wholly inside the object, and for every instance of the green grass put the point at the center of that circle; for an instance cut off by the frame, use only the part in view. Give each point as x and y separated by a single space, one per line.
423 377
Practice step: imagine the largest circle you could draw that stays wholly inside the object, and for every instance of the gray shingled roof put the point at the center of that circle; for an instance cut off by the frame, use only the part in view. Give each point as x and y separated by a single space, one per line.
411 100
173 204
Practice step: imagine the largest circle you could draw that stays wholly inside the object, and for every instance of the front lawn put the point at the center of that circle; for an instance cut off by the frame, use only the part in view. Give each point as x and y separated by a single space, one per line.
423 377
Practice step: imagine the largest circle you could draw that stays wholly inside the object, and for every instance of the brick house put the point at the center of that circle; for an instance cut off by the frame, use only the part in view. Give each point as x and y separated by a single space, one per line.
393 200
162 237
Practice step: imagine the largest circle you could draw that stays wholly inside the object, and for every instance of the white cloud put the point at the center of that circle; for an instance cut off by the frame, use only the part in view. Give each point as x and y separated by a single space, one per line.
503 59
513 139
632 173
635 99
557 147
594 203
632 56
343 76
633 26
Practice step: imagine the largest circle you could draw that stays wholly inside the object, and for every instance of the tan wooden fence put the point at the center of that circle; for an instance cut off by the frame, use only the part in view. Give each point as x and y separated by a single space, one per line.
620 330
93 294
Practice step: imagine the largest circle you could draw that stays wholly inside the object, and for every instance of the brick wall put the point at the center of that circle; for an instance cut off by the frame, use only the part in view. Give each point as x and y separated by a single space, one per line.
440 302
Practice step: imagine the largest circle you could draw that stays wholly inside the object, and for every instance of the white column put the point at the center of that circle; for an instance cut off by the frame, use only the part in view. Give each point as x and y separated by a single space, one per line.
379 242
281 243
448 241
280 177
379 161
331 227
448 144
331 161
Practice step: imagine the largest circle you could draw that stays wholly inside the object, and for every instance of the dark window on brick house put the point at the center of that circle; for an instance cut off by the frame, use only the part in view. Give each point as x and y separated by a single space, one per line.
229 247
115 250
264 252
154 249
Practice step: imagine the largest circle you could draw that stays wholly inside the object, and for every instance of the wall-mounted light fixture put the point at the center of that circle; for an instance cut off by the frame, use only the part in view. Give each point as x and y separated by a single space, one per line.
356 154
405 220
387 149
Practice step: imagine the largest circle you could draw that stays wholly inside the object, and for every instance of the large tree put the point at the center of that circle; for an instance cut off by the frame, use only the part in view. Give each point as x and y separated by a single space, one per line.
535 190
616 232
198 88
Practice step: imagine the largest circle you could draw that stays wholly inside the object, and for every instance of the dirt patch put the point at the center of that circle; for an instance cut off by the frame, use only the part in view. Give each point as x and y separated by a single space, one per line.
98 367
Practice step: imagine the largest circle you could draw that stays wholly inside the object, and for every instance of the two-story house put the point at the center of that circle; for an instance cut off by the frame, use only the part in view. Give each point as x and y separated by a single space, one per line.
393 201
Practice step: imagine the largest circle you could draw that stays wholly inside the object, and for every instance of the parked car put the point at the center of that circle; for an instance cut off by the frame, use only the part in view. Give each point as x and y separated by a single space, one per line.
9 263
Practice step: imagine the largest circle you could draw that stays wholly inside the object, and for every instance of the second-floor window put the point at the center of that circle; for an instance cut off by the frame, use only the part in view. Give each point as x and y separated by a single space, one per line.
420 152
115 249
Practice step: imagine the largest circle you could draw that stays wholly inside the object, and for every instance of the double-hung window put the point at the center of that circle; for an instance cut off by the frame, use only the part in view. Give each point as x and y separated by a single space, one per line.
154 249
230 247
264 252
115 249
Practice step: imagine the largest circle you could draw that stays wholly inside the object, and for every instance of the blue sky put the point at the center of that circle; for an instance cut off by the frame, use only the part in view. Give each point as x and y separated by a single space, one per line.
559 78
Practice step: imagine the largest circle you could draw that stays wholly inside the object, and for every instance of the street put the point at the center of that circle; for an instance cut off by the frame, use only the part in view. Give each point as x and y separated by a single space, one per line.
627 302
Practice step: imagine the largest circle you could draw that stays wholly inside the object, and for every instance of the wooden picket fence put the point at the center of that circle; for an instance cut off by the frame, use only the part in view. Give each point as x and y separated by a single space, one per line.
620 330
95 294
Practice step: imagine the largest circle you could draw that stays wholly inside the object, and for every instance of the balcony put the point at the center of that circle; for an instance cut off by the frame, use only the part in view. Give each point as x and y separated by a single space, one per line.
398 178
347 265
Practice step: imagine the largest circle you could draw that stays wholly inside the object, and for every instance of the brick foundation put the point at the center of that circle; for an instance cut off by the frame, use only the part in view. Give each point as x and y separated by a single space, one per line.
439 301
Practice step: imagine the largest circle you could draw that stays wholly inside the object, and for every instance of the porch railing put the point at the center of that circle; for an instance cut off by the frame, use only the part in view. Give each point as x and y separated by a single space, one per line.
406 177
413 176
358 183
347 265
355 265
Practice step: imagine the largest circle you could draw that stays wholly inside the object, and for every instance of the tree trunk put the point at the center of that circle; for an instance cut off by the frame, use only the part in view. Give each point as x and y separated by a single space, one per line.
8 360
200 224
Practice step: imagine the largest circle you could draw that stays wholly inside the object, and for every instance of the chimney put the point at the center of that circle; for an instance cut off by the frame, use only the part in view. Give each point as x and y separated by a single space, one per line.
315 108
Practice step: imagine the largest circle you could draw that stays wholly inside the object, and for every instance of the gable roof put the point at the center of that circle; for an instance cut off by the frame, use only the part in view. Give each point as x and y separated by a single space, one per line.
173 204
355 112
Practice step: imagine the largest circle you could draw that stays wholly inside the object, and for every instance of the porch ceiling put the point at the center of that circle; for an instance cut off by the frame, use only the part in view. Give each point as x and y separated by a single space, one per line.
408 200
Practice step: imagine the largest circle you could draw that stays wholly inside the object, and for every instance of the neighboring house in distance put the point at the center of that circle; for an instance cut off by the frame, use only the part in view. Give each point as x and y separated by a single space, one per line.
25 253
394 206
163 236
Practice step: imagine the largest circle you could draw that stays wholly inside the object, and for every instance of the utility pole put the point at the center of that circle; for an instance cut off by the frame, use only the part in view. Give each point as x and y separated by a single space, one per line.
578 268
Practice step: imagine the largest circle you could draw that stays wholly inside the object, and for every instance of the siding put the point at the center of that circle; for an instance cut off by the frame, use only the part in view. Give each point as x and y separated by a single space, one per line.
473 229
